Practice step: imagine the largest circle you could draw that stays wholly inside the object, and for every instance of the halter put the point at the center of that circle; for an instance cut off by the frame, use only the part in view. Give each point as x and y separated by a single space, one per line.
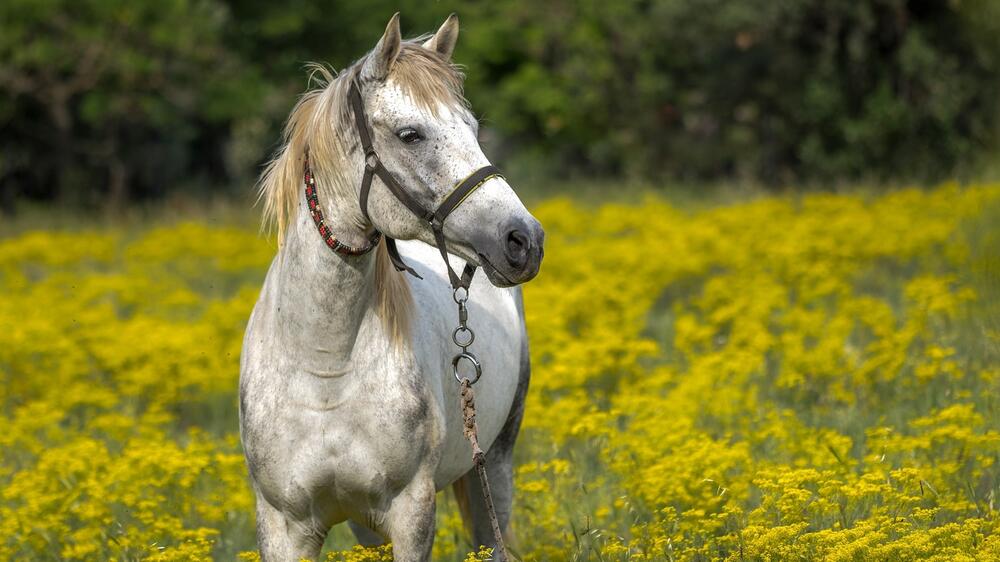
435 219
374 167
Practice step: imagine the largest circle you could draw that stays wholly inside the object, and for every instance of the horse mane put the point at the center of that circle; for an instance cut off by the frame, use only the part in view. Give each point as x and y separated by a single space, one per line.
321 125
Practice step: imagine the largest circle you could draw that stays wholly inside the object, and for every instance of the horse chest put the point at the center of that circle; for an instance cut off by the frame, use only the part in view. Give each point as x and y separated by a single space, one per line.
341 437
387 423
494 394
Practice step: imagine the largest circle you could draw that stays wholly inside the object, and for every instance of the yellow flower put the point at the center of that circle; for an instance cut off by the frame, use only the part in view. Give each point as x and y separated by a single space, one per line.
789 378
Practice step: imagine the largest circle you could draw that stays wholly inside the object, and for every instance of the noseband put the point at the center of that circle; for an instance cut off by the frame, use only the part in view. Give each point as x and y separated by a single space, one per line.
434 219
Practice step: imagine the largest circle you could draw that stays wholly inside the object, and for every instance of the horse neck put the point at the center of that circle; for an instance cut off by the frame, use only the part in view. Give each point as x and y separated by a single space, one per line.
322 296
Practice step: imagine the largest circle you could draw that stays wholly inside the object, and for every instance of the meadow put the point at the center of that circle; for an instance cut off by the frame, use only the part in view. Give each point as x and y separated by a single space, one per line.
807 377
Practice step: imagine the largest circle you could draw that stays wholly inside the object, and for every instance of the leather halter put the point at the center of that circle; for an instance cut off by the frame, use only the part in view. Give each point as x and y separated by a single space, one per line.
435 219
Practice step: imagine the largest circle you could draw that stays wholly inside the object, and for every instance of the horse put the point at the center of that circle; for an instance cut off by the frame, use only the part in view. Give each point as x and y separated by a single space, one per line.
349 407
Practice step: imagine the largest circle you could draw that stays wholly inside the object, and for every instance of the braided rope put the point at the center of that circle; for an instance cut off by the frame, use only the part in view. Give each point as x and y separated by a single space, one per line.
468 399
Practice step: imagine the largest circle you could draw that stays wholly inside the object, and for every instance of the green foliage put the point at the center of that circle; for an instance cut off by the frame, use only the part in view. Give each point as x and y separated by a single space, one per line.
774 91
120 87
140 95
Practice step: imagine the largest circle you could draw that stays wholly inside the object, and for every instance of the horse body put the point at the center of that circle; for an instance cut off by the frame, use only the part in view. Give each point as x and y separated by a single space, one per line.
337 420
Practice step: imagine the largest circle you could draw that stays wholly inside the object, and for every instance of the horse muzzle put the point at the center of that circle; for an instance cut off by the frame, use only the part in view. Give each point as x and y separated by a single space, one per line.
515 255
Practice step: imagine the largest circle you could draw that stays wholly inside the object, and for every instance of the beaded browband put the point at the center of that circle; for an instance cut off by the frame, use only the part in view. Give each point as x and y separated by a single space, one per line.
324 230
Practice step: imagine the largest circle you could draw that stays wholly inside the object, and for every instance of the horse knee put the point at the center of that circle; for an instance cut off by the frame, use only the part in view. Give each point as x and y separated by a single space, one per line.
410 522
281 539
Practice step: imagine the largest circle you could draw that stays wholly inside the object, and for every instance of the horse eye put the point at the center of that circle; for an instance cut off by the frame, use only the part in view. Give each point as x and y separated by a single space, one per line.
409 135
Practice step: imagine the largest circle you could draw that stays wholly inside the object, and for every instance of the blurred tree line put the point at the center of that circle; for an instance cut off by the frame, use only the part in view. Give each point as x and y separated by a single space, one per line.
115 100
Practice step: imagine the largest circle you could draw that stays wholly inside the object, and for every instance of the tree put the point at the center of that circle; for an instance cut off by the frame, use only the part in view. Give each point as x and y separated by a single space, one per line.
112 92
774 91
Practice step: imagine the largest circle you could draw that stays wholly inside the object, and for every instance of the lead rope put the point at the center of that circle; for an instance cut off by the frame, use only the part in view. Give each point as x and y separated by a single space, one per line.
463 336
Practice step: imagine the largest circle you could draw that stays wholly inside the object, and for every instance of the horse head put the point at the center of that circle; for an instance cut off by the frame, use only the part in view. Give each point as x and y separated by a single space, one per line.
424 134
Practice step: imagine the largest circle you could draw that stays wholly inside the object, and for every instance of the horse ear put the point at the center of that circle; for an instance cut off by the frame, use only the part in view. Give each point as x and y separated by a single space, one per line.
384 55
443 42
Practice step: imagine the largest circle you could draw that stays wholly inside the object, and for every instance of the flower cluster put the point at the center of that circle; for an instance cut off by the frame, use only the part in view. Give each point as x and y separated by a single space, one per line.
807 378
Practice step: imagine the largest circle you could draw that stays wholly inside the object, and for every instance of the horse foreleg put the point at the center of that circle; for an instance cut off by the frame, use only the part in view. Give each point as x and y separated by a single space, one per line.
281 538
410 521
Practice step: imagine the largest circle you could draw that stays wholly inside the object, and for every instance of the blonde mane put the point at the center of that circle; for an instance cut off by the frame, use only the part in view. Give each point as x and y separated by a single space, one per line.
321 126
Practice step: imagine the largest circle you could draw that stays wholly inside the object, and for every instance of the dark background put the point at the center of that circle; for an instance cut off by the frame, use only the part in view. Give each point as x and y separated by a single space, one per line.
106 102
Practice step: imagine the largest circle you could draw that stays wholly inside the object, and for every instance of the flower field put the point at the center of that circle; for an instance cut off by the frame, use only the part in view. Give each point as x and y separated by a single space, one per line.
790 378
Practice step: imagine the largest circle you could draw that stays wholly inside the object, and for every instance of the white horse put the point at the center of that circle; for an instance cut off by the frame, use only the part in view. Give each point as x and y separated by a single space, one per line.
349 409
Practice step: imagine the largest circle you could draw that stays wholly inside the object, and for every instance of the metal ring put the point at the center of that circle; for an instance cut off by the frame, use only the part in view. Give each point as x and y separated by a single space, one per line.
472 359
371 160
464 298
461 330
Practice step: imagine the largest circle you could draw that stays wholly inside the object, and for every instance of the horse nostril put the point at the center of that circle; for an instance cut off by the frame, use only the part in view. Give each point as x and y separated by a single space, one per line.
518 245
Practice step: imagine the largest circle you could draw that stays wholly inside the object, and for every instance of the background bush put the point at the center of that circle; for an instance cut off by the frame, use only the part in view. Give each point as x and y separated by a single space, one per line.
128 99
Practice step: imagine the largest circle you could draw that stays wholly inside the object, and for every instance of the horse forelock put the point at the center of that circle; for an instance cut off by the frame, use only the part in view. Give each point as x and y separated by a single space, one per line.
431 81
321 126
